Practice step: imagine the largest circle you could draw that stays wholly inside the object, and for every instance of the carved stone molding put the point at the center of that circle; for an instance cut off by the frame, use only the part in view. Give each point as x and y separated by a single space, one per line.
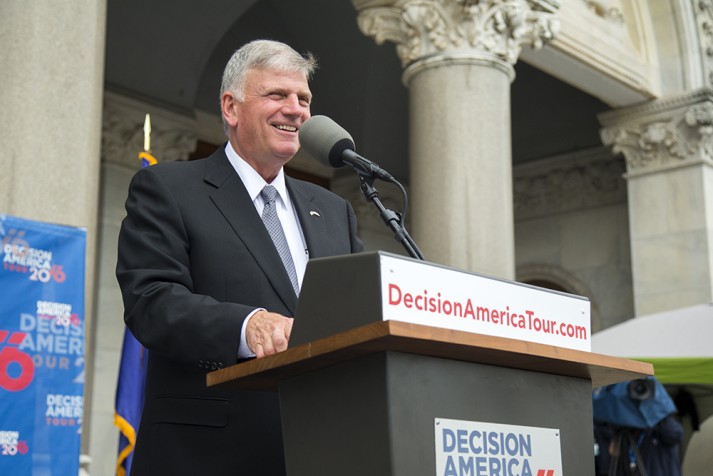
421 28
569 182
605 10
173 135
663 134
704 20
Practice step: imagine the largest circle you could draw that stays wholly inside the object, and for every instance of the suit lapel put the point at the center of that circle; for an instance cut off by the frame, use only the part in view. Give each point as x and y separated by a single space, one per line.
233 201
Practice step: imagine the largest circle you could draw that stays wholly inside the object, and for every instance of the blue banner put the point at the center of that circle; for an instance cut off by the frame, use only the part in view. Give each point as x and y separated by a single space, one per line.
41 347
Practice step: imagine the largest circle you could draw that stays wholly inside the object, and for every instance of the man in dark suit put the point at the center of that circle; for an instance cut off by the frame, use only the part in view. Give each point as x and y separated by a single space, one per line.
203 283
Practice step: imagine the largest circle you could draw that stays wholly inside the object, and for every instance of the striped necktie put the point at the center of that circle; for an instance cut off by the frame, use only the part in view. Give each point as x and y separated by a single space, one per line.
274 227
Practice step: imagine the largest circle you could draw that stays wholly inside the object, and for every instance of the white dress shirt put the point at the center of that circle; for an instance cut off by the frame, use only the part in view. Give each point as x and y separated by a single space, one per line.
254 183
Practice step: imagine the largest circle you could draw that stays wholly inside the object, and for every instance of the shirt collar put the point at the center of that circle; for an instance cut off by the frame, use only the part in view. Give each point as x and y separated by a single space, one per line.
253 181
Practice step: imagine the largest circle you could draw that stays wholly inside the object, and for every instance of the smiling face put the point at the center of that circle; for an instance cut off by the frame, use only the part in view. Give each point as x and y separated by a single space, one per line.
263 126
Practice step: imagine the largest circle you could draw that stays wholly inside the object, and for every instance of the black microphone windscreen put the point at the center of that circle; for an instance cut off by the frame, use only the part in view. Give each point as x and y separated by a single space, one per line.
325 140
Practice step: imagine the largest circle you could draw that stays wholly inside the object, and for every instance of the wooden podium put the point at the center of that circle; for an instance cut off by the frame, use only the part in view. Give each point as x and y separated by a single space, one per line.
363 400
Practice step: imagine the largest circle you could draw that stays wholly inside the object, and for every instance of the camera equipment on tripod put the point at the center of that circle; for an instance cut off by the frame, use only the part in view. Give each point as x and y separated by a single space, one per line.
641 389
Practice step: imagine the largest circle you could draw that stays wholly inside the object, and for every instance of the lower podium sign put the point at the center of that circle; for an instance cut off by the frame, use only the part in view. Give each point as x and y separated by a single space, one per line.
487 449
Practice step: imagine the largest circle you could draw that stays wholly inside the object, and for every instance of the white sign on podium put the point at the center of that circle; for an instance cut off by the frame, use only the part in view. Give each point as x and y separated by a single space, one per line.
427 294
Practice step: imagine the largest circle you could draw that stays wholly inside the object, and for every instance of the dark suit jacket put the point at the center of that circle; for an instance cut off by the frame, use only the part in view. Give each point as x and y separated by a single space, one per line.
194 260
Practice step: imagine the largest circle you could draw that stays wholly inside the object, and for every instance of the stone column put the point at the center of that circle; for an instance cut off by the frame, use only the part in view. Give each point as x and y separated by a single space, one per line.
457 57
668 147
51 82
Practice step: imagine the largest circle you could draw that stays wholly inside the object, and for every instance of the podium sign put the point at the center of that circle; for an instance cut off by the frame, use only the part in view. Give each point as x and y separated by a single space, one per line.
427 294
473 448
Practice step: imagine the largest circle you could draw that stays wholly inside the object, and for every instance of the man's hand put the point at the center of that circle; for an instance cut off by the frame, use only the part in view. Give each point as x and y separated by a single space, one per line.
267 333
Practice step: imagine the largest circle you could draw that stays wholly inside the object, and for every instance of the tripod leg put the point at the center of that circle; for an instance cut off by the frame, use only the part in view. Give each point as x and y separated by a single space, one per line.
637 457
614 453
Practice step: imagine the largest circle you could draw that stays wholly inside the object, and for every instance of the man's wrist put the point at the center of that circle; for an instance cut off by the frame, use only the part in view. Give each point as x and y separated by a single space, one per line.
244 351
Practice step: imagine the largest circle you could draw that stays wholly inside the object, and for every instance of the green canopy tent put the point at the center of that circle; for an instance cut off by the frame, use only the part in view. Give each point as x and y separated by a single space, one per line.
679 343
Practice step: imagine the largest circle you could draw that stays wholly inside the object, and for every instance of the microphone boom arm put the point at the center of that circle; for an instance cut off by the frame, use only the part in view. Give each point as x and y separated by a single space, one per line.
328 142
390 218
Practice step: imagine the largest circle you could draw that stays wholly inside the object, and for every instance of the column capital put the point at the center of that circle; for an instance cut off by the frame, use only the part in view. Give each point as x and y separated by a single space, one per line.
664 134
423 28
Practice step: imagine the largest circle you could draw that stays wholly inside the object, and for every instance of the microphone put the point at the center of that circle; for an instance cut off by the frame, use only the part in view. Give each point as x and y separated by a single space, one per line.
329 143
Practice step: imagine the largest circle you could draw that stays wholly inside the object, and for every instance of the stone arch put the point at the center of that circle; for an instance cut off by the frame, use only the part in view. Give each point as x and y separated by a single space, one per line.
553 277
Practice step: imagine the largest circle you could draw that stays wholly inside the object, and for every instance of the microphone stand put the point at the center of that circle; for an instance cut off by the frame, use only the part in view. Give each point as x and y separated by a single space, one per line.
390 218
